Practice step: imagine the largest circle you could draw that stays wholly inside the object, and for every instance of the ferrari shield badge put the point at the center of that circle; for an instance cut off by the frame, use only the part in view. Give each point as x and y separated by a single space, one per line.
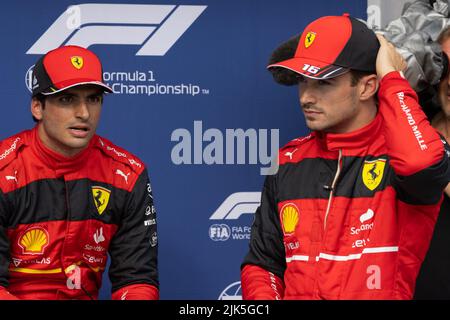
101 198
77 62
372 173
309 39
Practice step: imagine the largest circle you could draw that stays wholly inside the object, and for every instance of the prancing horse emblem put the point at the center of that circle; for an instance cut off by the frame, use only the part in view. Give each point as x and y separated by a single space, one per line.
101 198
372 173
77 62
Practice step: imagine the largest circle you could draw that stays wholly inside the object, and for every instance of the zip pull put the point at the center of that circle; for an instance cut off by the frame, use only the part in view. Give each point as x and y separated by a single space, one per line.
332 188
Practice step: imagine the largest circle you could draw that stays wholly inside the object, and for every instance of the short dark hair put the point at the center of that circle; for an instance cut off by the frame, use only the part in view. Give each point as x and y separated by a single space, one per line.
357 75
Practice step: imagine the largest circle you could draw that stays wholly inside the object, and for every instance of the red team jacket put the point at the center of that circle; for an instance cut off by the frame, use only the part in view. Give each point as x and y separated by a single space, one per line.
350 216
59 217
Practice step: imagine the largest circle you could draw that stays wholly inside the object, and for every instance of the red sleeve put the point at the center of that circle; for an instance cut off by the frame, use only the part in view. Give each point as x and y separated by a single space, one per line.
259 284
413 144
136 292
5 295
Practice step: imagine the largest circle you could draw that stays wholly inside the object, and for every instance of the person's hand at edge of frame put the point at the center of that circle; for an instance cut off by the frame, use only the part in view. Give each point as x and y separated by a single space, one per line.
388 58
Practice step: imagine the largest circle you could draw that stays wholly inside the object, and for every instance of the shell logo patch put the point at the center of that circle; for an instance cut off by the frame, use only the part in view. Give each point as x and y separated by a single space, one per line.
309 39
101 198
77 62
34 241
372 173
289 218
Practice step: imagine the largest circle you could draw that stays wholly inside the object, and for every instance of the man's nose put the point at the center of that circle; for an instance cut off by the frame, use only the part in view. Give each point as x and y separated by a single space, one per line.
307 95
82 110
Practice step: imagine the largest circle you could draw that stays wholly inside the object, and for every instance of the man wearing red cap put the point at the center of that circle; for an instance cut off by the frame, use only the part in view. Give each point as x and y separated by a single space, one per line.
351 210
69 197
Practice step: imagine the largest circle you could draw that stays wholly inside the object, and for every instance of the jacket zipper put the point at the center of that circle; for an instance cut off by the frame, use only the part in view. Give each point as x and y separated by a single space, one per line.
333 186
69 214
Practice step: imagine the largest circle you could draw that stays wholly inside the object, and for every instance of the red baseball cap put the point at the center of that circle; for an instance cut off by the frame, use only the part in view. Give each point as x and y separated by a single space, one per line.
66 67
331 46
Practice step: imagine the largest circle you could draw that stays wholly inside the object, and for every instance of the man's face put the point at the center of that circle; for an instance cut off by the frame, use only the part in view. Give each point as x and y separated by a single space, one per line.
330 105
444 85
69 119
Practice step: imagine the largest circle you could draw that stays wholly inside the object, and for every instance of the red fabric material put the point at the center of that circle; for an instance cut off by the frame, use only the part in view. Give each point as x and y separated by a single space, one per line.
136 292
54 165
413 144
259 284
62 71
5 295
352 144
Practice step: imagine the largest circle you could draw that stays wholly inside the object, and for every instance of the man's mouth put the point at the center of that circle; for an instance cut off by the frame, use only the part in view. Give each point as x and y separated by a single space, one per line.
311 111
79 131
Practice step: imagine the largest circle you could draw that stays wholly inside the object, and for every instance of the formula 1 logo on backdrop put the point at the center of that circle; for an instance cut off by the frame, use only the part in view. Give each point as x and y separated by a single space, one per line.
237 204
155 28
234 206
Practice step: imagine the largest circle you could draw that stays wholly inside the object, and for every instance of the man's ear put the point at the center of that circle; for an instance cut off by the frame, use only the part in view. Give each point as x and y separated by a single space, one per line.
367 87
36 108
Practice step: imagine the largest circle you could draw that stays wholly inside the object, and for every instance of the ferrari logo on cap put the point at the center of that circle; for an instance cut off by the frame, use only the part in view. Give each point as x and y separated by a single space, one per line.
101 198
309 39
372 173
77 62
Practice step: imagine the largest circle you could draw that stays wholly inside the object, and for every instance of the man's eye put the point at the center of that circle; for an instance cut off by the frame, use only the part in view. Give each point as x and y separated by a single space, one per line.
300 79
66 99
323 82
95 99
